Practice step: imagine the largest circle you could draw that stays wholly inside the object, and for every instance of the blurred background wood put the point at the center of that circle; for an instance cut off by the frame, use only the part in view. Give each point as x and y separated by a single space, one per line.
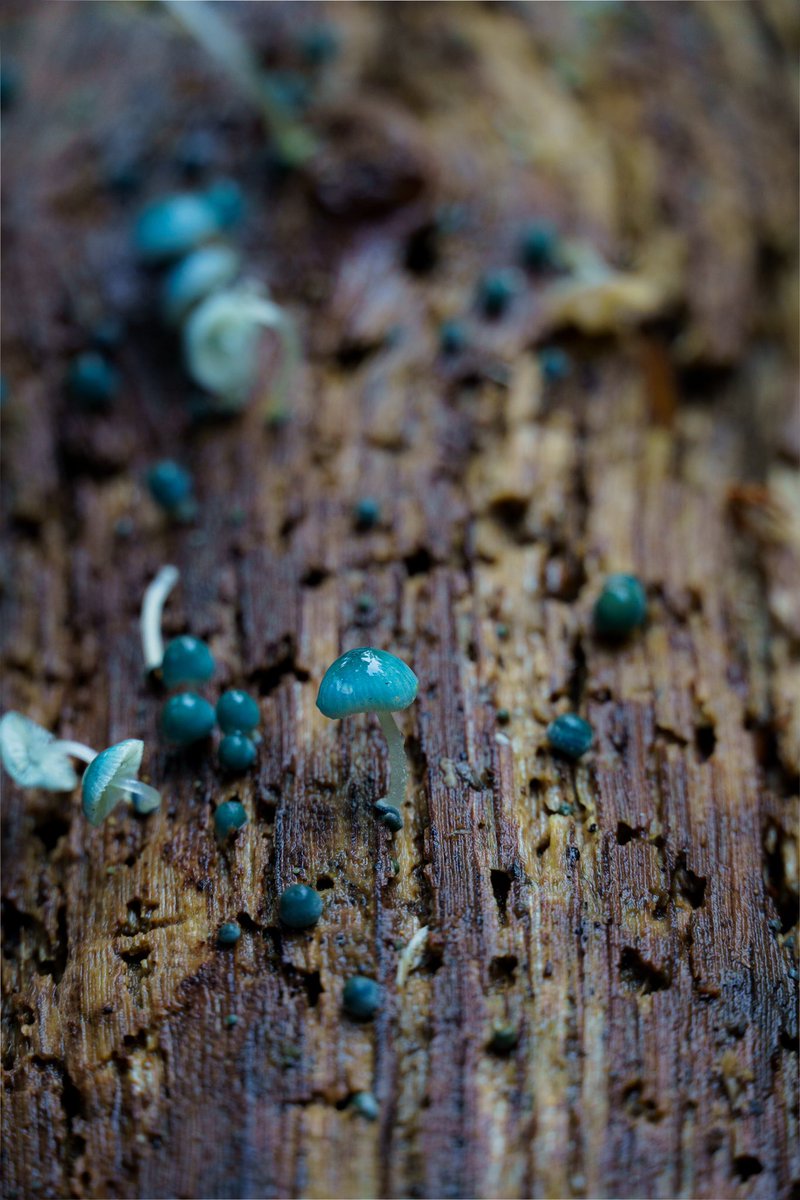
634 918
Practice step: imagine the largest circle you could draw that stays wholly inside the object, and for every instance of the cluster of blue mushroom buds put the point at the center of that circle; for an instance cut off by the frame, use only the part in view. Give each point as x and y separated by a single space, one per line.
220 317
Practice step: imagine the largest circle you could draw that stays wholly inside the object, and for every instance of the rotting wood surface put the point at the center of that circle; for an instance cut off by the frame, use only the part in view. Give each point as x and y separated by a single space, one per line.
633 918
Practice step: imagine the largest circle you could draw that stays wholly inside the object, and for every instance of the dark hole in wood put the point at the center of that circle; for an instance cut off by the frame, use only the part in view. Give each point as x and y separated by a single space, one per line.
692 887
351 355
510 511
51 830
625 833
418 563
501 886
268 679
313 986
503 967
641 976
323 883
543 845
314 577
422 250
784 898
746 1166
134 958
705 740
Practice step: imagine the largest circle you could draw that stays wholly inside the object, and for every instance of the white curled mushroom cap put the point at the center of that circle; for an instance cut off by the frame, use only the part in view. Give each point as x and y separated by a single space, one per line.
108 779
221 338
33 757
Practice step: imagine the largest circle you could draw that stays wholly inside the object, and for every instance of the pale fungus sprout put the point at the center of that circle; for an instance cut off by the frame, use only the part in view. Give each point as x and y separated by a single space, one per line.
155 598
221 340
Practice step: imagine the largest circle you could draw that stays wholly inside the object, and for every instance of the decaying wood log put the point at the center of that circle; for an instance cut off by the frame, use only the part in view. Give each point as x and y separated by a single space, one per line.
633 918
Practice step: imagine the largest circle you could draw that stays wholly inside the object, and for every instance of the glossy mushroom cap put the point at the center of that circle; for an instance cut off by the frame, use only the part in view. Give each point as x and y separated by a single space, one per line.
100 790
33 757
366 680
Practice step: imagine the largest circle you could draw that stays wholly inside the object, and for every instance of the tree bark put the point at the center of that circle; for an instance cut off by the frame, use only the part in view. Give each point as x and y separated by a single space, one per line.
632 918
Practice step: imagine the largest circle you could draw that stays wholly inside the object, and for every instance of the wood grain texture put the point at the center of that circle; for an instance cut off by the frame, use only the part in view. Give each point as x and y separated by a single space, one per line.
634 917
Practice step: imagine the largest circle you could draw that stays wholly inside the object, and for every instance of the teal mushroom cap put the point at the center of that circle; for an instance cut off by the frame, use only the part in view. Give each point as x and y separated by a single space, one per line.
369 680
33 757
366 680
112 777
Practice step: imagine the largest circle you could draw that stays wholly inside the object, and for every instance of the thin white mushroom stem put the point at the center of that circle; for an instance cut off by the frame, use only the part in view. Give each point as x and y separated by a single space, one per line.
155 598
142 796
398 763
77 750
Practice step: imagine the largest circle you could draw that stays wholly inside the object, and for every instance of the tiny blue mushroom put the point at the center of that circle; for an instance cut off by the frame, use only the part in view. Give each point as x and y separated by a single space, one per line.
496 290
174 226
171 486
554 364
194 278
229 817
226 199
366 1105
538 247
621 606
229 933
187 718
35 758
92 381
362 997
112 777
186 659
237 712
570 735
236 752
369 680
452 337
300 906
367 513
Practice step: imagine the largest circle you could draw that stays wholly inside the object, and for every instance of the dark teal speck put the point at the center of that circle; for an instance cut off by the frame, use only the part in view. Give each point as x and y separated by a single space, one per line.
362 997
621 606
570 735
300 907
229 933
237 712
229 817
187 718
186 660
236 752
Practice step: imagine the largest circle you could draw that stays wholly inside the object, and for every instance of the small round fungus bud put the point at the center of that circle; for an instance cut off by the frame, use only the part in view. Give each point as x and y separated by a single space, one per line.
300 907
496 291
230 1021
195 277
226 199
367 513
319 45
621 606
365 1104
92 382
538 247
452 337
229 817
362 997
187 659
391 817
173 227
229 933
187 718
237 712
236 752
570 735
170 485
554 363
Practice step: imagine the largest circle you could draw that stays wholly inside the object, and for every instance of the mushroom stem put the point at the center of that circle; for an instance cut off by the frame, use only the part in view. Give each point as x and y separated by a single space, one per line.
142 796
150 622
77 750
398 763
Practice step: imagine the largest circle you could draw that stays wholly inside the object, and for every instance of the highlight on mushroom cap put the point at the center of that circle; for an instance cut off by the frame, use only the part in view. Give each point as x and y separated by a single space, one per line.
366 680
